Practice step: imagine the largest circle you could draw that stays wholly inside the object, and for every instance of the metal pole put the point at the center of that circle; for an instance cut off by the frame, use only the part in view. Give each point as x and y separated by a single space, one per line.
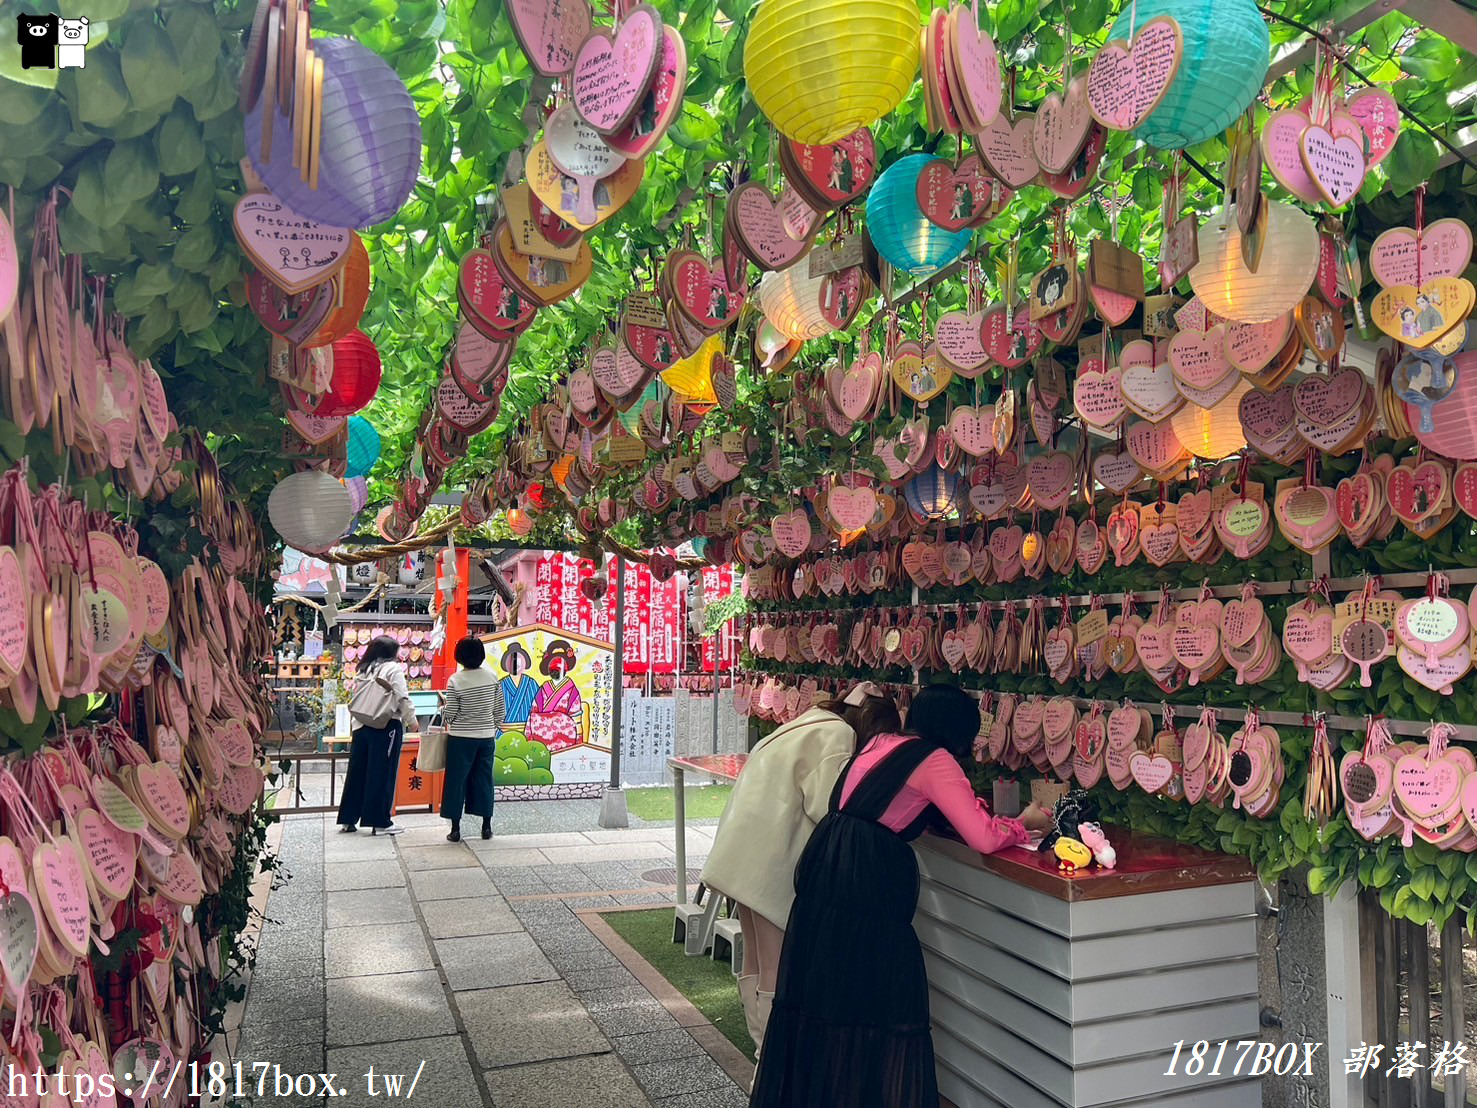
613 804
718 633
679 841
620 671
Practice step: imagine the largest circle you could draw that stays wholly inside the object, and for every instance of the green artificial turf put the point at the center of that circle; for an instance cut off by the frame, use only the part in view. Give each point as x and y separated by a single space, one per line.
655 805
709 985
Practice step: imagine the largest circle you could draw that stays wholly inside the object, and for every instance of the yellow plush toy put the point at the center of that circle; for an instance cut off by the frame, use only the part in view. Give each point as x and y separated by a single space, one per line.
1071 854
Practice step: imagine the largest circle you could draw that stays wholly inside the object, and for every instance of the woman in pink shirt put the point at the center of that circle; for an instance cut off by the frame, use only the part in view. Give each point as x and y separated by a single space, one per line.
850 1023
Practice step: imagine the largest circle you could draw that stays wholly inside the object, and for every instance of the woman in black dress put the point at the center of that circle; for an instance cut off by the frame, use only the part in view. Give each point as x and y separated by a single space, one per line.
850 1025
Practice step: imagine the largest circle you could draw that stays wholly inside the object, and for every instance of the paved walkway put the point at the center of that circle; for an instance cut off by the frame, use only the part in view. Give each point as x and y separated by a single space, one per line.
387 952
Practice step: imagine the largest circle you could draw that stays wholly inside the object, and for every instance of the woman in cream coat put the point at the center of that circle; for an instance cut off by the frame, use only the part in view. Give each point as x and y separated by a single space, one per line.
776 803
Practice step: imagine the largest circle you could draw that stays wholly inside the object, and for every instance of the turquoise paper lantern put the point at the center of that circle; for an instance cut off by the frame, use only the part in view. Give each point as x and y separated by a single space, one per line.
364 447
932 495
1227 50
899 229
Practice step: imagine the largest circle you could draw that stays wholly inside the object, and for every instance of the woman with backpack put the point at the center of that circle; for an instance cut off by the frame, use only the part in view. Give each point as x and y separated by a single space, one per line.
382 712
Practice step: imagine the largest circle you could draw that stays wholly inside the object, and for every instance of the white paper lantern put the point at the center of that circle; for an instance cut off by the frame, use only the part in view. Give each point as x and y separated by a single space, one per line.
310 510
792 302
1288 265
1212 433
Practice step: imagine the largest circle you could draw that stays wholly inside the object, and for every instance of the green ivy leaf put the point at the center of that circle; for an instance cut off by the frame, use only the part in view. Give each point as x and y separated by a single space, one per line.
102 95
132 170
179 146
1413 160
10 63
1423 882
151 68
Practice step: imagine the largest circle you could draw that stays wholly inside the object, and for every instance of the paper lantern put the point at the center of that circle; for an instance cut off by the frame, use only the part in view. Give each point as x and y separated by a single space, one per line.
819 69
1289 264
358 492
371 142
363 449
353 284
310 510
1212 433
356 376
412 568
1227 49
791 301
630 419
899 229
692 378
933 494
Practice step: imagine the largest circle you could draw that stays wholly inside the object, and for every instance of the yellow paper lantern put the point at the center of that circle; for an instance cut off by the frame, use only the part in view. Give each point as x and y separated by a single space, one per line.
791 301
819 69
1288 265
1212 433
692 378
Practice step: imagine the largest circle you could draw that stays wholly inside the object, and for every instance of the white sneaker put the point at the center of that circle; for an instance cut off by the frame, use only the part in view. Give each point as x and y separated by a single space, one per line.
393 829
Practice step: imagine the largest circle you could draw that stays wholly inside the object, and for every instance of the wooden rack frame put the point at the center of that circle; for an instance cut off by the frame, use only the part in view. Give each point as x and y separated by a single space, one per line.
1408 728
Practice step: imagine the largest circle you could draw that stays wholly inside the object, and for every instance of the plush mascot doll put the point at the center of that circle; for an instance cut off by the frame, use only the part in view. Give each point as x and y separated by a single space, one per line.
1075 811
1102 851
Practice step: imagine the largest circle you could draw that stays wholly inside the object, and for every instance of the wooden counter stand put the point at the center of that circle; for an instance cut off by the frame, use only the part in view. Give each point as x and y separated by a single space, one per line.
1049 990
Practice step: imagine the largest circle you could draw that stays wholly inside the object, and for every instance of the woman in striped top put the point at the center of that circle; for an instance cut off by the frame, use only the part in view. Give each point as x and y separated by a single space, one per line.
472 710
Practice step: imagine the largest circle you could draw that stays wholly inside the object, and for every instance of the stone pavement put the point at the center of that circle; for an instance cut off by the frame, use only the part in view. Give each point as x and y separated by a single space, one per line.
387 952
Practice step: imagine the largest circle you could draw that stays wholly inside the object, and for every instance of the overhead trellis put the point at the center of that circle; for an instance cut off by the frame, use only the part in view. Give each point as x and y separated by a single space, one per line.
480 107
147 138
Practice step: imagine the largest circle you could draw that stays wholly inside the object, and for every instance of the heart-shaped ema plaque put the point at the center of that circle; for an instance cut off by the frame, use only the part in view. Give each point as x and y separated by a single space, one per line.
612 72
550 32
1125 83
1063 121
1334 163
1009 151
758 223
1420 316
1400 256
292 252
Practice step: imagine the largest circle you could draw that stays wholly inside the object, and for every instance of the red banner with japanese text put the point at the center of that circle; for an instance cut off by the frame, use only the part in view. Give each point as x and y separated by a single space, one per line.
721 648
655 610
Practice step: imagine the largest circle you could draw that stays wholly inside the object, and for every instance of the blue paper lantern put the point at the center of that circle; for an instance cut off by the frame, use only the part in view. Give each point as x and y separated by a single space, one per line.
364 447
932 495
1227 50
899 229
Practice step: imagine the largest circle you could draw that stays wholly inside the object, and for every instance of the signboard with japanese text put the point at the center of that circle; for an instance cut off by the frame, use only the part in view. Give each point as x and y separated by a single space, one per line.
557 695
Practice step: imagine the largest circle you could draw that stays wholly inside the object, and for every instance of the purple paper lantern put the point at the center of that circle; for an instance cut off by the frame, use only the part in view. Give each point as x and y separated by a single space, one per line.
371 142
358 492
